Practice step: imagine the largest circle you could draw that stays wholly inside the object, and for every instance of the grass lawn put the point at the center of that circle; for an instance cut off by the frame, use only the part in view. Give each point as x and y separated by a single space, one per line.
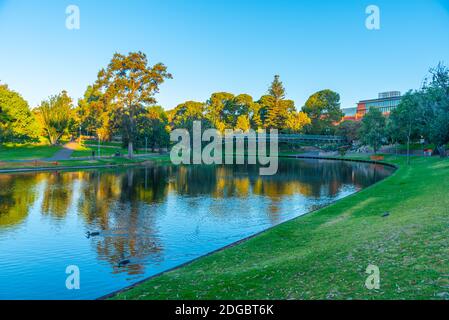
10 152
418 146
86 151
82 163
104 143
324 255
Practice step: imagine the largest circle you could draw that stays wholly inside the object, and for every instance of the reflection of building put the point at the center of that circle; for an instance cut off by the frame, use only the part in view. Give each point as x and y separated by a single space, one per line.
387 102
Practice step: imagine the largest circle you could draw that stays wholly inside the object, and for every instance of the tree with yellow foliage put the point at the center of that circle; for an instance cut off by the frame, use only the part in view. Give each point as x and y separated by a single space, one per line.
243 123
296 121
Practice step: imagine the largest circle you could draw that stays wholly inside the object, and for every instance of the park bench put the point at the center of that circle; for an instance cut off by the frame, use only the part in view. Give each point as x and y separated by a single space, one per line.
38 163
377 158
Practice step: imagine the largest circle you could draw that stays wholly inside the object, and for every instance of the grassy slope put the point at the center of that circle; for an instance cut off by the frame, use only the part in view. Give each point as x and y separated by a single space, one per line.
324 255
24 152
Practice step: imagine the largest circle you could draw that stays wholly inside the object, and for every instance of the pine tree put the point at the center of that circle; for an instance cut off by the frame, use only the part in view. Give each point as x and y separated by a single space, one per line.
277 90
277 108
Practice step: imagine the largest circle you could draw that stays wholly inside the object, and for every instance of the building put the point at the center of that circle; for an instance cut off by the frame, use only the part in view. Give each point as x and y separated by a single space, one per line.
386 102
349 113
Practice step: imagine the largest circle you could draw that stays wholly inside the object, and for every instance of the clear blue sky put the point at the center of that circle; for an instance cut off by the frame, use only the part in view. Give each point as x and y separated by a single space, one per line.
226 45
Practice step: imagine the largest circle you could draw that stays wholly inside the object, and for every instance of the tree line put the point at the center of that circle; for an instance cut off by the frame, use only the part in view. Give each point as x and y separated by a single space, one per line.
422 115
122 103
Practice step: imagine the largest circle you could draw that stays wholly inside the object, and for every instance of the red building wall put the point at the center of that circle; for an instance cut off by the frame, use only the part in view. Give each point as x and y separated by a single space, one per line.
361 110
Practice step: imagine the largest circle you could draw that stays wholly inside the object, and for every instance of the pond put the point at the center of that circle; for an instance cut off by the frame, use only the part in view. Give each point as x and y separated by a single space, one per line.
156 217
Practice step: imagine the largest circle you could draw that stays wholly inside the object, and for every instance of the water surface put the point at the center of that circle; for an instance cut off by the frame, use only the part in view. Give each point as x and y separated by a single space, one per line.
156 217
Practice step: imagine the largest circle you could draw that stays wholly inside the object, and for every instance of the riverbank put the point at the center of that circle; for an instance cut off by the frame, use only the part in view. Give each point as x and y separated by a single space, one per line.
82 163
399 225
42 157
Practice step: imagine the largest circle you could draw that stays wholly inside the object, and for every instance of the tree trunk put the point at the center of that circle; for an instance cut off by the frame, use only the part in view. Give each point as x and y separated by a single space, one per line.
442 151
53 140
408 150
408 140
130 150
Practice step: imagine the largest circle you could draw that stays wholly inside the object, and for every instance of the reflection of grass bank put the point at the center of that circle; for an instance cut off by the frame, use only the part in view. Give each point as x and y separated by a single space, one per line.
324 255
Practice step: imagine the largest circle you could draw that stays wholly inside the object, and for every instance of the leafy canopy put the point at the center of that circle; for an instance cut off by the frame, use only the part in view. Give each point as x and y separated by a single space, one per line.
17 122
372 132
128 85
54 115
323 108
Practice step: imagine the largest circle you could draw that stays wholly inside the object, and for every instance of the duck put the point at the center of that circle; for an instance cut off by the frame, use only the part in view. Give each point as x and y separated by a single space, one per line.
92 234
124 263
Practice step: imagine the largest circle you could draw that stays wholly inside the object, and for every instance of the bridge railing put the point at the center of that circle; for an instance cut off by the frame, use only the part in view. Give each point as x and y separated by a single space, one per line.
297 137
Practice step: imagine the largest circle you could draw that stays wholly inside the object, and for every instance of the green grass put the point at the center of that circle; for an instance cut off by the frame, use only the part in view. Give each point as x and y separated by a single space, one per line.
419 146
83 163
416 146
104 143
324 255
86 151
11 152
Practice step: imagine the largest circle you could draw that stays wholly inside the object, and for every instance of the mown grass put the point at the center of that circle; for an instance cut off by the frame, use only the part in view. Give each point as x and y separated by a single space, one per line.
325 254
104 143
82 163
12 152
419 146
86 151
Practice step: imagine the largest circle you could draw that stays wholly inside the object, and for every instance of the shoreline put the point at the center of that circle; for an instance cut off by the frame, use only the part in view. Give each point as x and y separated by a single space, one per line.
157 159
126 163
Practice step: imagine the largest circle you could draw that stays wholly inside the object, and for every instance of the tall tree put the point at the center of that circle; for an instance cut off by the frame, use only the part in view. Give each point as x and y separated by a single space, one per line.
153 128
408 119
16 118
323 108
54 115
5 121
297 121
220 110
129 83
256 116
277 90
372 132
243 124
350 130
94 115
436 107
241 106
277 108
186 113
